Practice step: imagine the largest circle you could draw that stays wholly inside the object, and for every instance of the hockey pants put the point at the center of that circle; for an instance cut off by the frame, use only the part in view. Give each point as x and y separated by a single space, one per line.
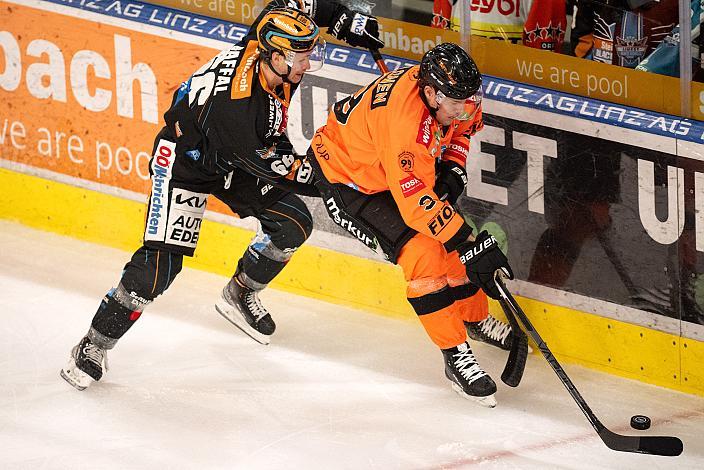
174 214
437 284
439 291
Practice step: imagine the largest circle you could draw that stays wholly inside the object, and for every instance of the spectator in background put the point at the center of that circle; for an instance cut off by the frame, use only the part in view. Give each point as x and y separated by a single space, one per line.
620 32
665 59
534 23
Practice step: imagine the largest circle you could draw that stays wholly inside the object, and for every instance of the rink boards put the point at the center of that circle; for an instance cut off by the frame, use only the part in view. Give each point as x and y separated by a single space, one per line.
83 86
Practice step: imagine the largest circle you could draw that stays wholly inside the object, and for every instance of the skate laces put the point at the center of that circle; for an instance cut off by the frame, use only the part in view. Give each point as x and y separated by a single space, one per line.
254 305
93 353
467 365
495 329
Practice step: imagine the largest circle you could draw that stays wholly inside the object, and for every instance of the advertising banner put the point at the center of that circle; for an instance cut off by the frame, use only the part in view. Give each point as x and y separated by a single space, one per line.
601 203
607 218
85 105
501 59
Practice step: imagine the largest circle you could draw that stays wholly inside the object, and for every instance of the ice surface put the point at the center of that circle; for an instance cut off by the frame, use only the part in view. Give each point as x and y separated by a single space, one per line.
336 389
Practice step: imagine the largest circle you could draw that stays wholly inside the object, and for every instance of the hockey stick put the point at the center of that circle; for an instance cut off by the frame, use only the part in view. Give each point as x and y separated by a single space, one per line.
376 55
517 356
656 445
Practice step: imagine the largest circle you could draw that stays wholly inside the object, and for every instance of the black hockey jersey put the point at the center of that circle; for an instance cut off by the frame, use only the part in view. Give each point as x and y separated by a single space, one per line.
226 116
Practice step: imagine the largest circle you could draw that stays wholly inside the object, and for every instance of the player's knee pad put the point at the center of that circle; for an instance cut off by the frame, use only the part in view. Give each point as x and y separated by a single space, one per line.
464 291
433 301
293 230
150 272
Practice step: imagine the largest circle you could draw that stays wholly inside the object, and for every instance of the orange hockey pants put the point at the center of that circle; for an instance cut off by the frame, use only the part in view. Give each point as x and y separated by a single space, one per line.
439 291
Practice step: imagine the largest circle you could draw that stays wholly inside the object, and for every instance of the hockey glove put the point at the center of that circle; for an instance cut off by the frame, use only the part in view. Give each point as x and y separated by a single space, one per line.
481 259
356 29
450 181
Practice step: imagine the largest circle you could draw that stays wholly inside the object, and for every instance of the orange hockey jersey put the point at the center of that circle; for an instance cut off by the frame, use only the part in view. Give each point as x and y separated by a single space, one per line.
384 138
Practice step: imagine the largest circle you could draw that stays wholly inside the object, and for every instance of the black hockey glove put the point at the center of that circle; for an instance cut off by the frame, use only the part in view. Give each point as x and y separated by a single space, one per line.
450 181
481 259
356 29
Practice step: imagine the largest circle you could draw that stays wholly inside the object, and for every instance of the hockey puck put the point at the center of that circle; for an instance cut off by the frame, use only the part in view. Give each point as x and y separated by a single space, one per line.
640 422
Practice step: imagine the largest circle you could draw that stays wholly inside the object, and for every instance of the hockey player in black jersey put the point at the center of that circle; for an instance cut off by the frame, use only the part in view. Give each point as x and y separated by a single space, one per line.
225 136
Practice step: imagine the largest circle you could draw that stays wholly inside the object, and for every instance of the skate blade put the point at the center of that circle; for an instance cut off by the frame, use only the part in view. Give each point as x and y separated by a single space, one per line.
230 314
488 401
75 376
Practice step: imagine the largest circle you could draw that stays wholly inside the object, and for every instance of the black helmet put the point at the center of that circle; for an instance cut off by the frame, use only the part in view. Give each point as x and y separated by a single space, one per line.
449 69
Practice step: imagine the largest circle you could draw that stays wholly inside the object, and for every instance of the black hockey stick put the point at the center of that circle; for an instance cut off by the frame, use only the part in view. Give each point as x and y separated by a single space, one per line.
517 356
656 445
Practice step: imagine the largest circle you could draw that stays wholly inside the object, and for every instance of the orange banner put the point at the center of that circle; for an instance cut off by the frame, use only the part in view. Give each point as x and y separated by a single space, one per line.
86 99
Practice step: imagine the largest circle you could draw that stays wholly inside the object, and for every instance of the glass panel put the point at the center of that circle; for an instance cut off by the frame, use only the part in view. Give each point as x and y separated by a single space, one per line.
596 199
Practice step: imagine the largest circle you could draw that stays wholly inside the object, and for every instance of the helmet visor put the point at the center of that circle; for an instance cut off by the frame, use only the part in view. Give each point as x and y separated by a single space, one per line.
309 61
471 105
459 109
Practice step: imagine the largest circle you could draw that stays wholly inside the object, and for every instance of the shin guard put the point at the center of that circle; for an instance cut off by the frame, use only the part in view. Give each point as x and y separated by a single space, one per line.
117 313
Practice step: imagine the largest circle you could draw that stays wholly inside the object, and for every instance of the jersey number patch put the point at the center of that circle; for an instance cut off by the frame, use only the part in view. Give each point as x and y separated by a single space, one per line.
344 108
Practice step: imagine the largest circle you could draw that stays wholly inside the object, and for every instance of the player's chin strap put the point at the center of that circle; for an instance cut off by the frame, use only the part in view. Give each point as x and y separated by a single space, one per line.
433 111
282 76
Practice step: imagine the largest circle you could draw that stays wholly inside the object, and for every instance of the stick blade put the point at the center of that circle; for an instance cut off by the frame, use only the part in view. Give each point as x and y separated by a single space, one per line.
516 363
655 445
517 356
661 445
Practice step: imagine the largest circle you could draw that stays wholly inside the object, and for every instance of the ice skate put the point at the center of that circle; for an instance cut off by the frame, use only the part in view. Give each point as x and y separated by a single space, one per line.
87 364
468 378
240 305
491 331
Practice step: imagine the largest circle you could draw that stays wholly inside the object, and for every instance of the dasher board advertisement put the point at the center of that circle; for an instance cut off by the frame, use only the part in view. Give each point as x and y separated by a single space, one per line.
600 204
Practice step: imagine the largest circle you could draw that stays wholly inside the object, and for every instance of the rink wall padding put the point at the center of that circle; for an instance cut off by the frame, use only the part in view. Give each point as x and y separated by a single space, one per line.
114 221
609 345
623 292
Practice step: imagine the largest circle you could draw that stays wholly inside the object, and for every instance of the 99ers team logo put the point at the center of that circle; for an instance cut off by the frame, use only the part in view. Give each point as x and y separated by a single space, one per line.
405 161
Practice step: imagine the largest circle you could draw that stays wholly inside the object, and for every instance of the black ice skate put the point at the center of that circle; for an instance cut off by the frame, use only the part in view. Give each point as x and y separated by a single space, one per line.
88 363
491 331
468 378
240 305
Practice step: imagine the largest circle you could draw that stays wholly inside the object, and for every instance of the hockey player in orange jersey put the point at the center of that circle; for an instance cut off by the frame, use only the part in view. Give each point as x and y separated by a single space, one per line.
389 164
